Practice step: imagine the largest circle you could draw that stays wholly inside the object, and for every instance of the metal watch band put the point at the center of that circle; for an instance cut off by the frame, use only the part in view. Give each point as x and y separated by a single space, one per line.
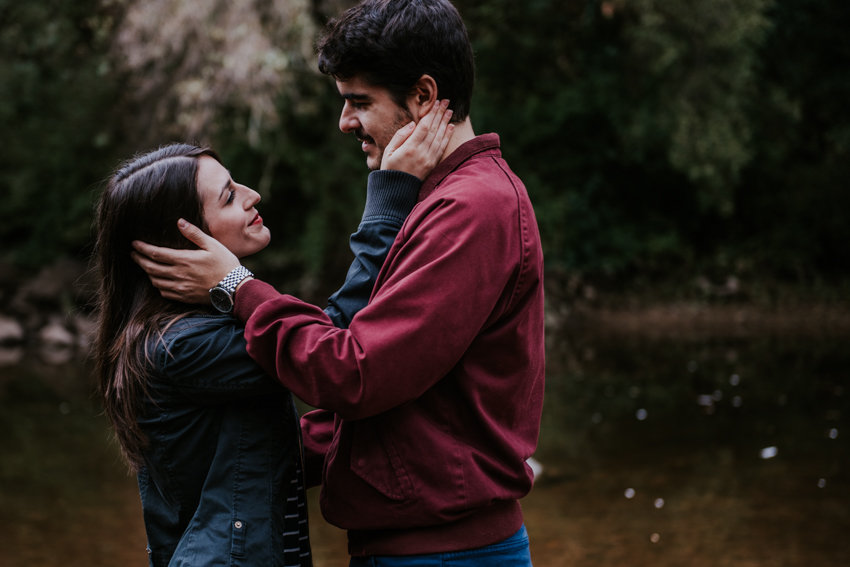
221 296
233 279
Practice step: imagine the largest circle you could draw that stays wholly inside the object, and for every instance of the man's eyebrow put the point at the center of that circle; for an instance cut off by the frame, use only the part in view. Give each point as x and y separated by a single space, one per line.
223 189
354 96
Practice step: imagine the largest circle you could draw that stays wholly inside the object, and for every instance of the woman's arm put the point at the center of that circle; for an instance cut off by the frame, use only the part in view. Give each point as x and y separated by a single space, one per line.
390 196
205 358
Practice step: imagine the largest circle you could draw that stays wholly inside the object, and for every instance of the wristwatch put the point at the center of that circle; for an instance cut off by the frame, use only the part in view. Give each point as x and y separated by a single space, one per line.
221 295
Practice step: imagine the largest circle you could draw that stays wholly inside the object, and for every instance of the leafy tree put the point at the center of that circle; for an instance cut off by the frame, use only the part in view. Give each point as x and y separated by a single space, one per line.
56 123
662 138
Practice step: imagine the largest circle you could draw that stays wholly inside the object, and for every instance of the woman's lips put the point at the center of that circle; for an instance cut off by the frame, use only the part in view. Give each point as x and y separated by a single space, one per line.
257 220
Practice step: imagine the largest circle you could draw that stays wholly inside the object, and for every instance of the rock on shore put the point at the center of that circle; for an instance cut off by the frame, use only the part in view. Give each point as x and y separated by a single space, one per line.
50 312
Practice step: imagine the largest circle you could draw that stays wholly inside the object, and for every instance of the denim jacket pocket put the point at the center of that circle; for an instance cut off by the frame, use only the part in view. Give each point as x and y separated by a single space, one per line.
375 459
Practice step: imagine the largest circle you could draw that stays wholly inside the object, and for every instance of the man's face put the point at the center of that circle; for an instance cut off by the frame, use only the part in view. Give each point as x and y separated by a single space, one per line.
372 115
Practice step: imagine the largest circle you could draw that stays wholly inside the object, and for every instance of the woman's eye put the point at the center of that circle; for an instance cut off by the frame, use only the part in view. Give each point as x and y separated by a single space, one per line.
230 197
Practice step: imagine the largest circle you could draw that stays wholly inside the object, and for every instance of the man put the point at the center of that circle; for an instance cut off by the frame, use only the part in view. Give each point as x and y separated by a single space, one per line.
431 399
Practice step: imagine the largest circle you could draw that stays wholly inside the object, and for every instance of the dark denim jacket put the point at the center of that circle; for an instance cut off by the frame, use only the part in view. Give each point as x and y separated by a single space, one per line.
224 436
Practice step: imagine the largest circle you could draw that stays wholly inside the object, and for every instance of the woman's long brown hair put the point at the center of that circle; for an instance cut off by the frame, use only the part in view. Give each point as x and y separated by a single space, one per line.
143 200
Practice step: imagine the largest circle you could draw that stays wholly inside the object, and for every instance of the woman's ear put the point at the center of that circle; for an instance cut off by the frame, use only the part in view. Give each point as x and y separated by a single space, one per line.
422 97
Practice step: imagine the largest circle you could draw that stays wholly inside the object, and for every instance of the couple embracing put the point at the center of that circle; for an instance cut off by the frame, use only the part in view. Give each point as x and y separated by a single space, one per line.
427 365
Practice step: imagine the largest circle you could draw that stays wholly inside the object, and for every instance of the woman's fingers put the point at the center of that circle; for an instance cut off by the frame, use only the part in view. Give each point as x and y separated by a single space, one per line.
397 140
429 124
442 135
416 150
440 145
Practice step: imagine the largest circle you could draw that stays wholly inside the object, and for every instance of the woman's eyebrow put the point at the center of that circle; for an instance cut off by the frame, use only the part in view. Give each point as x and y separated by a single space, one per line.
223 189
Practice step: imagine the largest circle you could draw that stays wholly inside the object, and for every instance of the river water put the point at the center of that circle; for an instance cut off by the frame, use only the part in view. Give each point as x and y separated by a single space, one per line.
678 451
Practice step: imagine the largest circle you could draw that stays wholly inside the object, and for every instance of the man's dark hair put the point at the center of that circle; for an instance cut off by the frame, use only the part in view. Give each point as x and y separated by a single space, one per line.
392 43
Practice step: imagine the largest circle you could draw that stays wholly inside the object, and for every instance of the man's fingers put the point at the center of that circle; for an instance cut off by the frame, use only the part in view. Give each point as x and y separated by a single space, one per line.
151 268
162 284
196 235
155 253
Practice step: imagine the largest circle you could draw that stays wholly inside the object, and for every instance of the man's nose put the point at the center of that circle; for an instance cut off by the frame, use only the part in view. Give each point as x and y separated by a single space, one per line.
348 121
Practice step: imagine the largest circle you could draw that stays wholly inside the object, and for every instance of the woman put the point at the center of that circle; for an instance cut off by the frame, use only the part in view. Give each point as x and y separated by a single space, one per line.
215 441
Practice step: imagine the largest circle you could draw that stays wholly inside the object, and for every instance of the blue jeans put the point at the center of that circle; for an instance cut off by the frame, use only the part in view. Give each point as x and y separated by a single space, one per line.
511 552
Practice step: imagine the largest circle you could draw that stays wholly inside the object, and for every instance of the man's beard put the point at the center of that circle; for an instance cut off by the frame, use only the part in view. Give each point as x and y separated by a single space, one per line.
402 117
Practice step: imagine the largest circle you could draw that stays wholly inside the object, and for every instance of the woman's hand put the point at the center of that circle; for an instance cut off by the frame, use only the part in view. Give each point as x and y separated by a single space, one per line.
417 149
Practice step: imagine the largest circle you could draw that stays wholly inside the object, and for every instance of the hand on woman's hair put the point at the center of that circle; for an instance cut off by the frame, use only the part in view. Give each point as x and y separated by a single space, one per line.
186 275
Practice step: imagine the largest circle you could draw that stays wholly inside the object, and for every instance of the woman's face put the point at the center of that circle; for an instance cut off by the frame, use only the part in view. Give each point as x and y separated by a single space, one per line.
229 210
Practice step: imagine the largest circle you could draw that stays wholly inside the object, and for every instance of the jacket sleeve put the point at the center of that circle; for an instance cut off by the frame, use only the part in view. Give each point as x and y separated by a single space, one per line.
390 196
450 279
317 428
207 360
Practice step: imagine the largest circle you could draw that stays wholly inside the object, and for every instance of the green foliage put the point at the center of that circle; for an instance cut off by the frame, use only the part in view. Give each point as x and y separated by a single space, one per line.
610 123
660 137
55 123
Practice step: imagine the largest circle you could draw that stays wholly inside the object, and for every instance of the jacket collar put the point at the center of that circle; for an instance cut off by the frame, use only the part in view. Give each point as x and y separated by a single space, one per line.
466 151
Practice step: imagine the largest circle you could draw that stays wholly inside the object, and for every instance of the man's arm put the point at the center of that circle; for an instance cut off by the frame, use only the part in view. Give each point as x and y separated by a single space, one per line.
459 267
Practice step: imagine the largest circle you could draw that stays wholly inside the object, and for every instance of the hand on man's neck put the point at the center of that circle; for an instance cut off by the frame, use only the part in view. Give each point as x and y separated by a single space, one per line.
462 134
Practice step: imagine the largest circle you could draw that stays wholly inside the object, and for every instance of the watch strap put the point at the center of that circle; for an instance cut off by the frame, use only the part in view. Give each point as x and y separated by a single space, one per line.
234 278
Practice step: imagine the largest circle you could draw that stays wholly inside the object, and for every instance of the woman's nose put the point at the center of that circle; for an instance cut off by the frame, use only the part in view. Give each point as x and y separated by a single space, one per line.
252 198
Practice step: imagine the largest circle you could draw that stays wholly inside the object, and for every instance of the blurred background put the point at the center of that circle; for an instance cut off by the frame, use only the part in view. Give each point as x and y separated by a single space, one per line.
688 162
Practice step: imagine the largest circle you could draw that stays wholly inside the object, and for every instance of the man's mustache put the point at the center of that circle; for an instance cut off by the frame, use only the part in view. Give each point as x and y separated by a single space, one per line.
363 136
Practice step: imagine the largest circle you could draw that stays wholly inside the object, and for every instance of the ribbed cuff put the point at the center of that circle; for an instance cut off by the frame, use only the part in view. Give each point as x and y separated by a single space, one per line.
250 296
390 195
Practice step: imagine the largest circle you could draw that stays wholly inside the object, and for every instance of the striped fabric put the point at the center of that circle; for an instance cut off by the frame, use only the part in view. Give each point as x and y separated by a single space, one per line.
296 542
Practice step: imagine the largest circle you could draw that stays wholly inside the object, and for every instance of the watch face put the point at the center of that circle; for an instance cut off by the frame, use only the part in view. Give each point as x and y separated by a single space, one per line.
221 300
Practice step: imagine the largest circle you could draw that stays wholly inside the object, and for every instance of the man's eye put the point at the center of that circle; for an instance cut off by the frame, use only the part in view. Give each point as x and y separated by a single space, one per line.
230 197
356 105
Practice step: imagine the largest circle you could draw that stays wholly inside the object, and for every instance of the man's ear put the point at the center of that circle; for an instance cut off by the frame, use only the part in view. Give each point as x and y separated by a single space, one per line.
422 97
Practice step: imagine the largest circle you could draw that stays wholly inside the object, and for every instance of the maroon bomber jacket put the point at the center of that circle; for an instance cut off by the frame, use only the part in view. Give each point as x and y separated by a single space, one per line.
433 396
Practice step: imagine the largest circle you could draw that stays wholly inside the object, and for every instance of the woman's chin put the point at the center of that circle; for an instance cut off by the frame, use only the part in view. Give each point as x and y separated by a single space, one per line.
252 248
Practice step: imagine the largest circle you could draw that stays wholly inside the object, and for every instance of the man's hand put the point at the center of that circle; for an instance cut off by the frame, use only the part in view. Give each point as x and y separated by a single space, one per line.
186 275
417 150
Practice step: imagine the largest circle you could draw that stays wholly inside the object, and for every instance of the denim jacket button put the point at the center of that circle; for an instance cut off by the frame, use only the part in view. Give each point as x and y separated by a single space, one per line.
237 525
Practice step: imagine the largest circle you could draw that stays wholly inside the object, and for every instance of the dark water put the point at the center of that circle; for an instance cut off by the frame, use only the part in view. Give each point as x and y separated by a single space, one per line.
733 452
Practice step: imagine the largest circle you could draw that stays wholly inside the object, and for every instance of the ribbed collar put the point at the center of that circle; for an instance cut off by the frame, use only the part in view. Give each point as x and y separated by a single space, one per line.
474 146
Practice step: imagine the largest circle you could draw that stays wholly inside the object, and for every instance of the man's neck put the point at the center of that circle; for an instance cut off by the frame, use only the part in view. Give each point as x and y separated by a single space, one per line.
462 134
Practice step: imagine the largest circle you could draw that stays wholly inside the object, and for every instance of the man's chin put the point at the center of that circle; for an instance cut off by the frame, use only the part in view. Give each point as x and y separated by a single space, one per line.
374 162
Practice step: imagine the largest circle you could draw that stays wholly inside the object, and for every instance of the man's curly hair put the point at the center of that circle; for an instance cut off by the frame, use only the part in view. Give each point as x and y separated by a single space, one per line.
392 43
